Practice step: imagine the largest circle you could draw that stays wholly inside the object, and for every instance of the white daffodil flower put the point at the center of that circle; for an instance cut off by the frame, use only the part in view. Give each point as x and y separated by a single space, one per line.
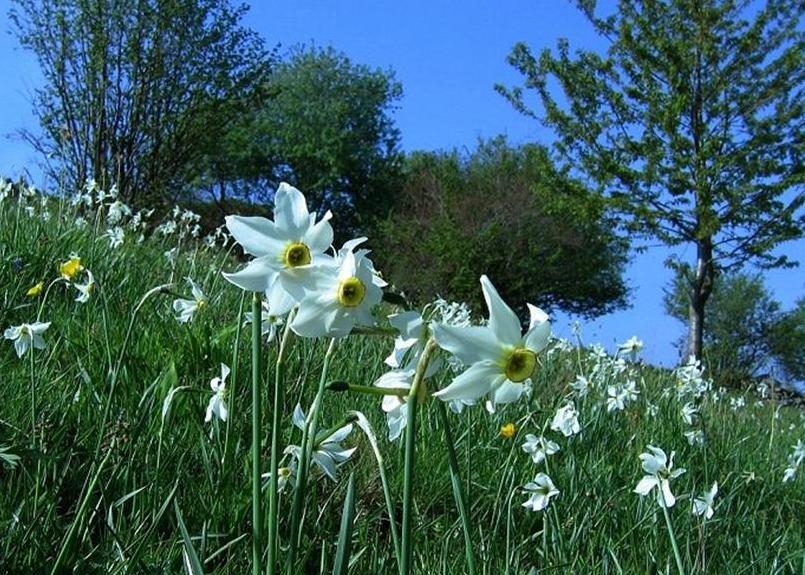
695 437
412 331
85 289
659 473
539 447
343 294
541 489
286 250
395 407
116 236
286 476
268 322
328 454
581 386
616 399
566 420
688 411
704 505
794 461
27 336
186 308
217 404
497 353
631 346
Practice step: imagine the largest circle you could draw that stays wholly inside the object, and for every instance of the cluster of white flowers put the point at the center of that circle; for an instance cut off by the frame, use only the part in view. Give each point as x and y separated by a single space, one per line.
690 380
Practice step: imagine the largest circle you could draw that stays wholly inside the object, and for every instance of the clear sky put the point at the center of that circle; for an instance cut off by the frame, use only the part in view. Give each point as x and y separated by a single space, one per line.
448 56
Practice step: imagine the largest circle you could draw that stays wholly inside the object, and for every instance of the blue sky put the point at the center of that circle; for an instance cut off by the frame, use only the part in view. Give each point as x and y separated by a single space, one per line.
448 61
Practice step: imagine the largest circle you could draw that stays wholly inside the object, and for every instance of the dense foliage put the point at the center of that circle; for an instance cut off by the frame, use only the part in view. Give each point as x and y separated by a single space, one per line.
747 333
507 212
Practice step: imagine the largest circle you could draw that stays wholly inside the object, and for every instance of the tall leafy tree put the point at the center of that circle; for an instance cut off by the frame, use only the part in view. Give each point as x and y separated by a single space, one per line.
326 127
692 121
507 212
133 87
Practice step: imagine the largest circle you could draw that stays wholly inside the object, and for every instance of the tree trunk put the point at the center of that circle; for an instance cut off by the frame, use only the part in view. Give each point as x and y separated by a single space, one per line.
700 289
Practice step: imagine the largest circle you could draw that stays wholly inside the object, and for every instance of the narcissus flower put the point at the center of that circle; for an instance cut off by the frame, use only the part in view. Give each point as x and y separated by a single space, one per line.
539 447
541 489
497 353
85 289
217 404
566 420
70 268
27 336
187 308
286 250
659 473
36 290
688 412
342 296
704 505
328 453
631 346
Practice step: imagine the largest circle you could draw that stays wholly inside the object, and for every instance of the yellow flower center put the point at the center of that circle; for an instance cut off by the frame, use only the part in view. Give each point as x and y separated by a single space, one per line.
296 254
520 365
284 472
508 430
201 304
69 268
351 292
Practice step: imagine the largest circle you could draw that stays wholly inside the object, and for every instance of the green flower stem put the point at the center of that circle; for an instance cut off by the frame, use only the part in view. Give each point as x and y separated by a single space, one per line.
233 379
410 443
276 418
257 507
118 364
309 431
670 527
458 490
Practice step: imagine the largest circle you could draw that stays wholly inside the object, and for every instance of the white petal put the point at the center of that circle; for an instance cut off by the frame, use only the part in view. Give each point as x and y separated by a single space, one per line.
539 330
320 236
508 392
326 463
502 320
645 485
256 276
667 498
339 435
280 301
469 344
291 215
475 382
298 417
257 236
408 323
314 318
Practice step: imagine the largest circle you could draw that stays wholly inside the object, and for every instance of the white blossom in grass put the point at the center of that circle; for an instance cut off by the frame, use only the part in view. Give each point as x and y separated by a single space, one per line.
217 404
539 447
171 255
703 506
286 250
688 412
581 386
737 403
395 407
566 420
541 490
286 476
27 336
85 289
186 309
659 473
695 437
116 236
631 346
616 398
794 461
497 353
268 322
328 454
342 296
117 211
652 410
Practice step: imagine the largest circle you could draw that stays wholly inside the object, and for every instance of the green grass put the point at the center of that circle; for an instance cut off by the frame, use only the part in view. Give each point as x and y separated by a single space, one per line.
161 489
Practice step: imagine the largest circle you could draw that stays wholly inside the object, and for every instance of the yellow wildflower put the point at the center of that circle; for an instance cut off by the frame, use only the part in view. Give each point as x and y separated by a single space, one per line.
508 430
35 290
70 268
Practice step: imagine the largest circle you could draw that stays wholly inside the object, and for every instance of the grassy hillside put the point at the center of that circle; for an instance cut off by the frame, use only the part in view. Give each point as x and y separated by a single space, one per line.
103 435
